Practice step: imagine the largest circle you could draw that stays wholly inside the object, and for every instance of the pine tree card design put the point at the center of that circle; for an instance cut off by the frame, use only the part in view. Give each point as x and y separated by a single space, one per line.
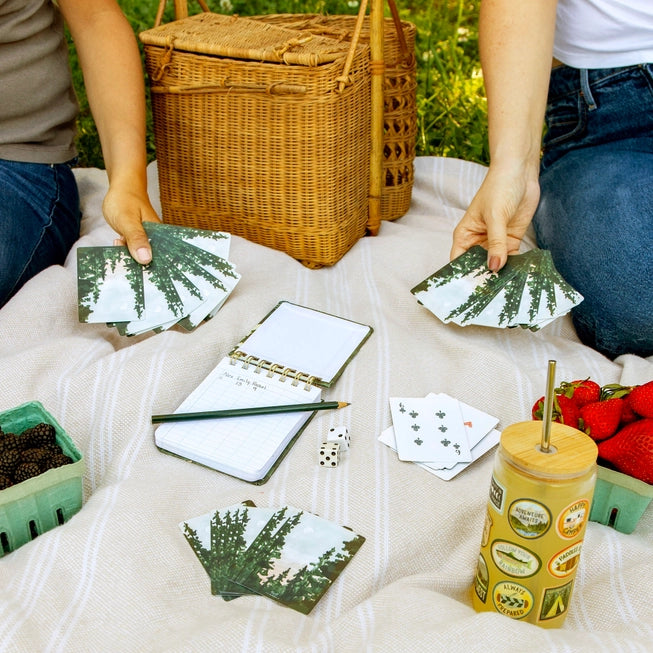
527 292
188 280
296 558
109 285
219 536
284 553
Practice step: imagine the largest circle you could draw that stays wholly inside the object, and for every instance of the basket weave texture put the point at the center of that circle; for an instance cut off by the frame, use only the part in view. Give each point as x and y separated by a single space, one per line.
258 133
399 96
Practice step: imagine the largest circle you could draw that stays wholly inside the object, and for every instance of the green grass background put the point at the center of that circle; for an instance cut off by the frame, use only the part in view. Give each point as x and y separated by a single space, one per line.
451 105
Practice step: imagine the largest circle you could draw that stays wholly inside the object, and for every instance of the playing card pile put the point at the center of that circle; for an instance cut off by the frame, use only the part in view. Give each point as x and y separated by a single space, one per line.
187 281
527 292
439 433
285 554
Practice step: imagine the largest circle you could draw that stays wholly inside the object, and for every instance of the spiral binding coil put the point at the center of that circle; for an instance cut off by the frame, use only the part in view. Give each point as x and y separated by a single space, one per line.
284 373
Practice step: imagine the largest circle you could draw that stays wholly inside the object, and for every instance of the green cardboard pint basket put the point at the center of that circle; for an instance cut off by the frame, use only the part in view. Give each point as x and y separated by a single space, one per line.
619 500
40 503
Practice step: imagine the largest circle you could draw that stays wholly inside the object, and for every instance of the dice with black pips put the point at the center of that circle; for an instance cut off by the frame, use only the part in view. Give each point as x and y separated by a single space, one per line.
329 454
341 435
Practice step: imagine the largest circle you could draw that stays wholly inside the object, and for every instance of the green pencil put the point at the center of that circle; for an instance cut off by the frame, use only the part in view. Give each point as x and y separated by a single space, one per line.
244 412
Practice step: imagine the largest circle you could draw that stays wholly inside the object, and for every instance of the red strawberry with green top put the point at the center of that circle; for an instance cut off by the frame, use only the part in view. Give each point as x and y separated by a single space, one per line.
582 391
630 451
564 410
600 419
641 399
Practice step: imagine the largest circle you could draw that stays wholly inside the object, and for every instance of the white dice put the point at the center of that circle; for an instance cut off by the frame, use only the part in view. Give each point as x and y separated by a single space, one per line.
340 434
329 454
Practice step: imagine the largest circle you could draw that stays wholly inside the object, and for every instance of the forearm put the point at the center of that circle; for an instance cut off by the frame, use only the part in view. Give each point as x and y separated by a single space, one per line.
516 44
113 79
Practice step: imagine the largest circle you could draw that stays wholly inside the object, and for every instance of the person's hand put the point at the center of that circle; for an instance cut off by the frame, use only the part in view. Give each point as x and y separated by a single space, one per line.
125 209
499 215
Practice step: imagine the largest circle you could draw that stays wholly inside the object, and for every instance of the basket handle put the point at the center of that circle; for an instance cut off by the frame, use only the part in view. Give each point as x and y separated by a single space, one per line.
181 10
400 32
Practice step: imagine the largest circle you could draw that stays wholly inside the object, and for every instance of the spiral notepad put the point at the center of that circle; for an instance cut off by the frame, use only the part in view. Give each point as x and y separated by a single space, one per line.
287 358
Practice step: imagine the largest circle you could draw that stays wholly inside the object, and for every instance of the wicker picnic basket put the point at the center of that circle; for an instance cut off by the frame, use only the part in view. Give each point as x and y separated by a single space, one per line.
399 94
261 131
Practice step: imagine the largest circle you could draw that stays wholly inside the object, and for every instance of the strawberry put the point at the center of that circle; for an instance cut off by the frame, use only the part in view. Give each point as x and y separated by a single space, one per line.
600 419
628 415
567 411
630 451
641 399
582 391
564 410
537 411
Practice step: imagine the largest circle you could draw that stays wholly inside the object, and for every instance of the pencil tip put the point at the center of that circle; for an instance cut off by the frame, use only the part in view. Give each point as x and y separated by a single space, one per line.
342 404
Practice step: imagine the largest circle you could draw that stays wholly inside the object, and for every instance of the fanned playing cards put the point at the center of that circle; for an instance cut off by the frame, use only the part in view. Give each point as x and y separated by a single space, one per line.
527 292
439 433
286 554
188 280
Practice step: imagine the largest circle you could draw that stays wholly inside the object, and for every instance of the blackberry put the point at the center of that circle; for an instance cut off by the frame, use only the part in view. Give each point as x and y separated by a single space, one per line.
25 471
8 441
38 455
58 460
9 458
5 482
38 436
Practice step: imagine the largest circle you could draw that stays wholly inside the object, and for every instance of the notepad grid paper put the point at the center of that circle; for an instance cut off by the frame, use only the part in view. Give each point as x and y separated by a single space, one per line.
241 446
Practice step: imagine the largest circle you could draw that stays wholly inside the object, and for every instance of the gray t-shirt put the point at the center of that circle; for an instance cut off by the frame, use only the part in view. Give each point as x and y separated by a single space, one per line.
38 106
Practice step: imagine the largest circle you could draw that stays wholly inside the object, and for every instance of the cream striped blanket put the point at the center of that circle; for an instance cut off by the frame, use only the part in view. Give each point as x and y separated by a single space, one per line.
119 576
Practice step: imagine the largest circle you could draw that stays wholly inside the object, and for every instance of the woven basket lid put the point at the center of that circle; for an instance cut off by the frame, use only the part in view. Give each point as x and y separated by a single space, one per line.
242 38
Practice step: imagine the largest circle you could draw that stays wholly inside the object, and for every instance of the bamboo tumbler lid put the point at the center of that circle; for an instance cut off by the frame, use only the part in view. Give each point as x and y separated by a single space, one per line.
571 452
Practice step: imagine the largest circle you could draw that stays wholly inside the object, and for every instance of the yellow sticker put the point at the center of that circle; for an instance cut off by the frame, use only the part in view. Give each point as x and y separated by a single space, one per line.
514 560
573 518
564 563
512 599
528 518
482 579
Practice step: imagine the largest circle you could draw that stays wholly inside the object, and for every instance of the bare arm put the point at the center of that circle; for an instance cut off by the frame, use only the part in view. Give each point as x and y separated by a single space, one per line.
113 79
516 44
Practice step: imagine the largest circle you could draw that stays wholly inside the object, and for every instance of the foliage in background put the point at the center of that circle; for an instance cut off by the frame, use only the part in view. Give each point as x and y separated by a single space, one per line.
451 106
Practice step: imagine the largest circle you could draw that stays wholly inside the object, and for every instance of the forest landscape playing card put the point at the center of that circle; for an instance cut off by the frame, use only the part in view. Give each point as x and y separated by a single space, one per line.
286 554
527 292
188 280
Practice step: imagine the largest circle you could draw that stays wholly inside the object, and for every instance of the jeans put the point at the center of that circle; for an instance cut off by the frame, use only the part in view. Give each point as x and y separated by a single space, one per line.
596 208
39 220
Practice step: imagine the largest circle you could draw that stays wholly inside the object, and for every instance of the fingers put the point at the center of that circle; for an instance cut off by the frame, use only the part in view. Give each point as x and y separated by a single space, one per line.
497 245
126 212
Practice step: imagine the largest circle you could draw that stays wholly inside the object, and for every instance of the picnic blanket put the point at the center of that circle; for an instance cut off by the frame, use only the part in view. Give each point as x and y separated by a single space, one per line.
120 576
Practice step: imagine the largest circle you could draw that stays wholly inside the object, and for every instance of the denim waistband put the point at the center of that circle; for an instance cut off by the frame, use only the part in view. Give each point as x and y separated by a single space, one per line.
565 79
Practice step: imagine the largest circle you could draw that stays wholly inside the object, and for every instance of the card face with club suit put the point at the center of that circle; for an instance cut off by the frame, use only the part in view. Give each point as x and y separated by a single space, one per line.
429 429
481 437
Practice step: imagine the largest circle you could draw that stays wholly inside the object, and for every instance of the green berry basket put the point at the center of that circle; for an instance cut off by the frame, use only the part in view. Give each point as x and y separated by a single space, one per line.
619 500
38 504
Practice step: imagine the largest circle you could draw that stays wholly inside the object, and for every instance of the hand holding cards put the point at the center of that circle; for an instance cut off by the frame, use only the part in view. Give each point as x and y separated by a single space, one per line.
527 292
439 433
188 280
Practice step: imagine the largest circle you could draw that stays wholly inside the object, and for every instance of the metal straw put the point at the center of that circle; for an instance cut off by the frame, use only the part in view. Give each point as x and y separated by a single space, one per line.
548 407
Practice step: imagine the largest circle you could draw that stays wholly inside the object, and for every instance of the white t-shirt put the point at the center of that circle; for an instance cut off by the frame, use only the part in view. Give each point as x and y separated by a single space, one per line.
604 33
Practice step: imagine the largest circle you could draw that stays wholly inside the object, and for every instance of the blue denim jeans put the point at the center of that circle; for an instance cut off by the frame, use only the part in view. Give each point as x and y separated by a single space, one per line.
39 220
596 208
